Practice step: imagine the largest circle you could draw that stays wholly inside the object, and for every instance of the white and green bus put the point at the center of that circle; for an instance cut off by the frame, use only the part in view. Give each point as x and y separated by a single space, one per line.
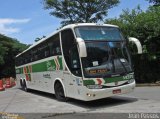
83 61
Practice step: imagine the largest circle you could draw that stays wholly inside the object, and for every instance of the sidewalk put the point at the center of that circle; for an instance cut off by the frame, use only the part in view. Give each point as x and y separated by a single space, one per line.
148 84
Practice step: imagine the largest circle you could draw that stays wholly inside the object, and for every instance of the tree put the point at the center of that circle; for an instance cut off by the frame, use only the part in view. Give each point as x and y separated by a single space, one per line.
2 54
37 39
79 11
155 2
9 48
144 26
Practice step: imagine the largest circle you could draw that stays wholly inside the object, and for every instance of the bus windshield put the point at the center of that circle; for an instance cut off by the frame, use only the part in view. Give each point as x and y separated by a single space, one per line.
107 53
99 33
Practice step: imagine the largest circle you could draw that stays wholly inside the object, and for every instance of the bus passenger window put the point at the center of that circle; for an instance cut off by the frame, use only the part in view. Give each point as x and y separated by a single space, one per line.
46 53
58 50
54 45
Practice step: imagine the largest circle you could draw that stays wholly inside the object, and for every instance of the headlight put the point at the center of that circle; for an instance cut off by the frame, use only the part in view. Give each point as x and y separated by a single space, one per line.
131 81
94 86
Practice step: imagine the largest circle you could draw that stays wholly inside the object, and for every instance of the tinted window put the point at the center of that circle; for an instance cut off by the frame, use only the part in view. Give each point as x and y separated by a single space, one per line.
70 52
49 47
54 45
99 33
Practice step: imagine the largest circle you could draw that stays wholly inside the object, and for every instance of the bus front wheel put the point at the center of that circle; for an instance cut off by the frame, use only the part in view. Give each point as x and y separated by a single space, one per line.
59 91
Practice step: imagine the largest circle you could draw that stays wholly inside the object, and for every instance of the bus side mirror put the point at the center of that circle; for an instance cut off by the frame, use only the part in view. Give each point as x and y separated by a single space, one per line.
82 47
137 43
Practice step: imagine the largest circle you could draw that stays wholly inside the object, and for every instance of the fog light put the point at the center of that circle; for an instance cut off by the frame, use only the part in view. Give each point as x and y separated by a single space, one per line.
89 95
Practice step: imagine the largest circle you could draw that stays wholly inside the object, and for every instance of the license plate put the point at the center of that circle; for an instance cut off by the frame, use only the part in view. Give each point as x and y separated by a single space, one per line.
116 91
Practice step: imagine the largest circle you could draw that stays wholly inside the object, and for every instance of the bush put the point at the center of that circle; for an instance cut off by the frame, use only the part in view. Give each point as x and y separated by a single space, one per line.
146 70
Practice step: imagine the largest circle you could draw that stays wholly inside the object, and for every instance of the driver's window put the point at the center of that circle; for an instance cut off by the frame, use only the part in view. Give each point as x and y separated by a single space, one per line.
70 52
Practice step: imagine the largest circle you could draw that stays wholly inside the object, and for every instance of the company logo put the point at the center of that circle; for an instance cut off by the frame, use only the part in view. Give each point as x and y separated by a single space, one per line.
49 66
128 76
47 76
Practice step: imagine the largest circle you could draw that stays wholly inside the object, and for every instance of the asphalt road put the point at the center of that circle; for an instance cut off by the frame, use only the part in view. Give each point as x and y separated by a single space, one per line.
38 105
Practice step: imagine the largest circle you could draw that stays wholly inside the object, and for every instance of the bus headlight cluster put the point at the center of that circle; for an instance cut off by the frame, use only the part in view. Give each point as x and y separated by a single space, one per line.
131 81
94 86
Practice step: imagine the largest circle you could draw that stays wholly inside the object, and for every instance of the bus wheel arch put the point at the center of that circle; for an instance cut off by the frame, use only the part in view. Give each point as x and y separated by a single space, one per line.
59 90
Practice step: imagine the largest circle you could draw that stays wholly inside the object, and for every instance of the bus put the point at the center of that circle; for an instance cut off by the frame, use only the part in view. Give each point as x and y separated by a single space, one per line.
84 61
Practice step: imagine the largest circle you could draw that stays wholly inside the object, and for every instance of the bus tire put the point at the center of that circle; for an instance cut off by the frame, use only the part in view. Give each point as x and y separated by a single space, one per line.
25 86
59 91
21 83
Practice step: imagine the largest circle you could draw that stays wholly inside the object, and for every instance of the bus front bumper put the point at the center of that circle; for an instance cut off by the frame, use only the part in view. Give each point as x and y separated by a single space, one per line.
94 94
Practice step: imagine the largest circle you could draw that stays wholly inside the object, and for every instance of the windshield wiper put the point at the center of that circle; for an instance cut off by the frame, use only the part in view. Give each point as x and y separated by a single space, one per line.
112 59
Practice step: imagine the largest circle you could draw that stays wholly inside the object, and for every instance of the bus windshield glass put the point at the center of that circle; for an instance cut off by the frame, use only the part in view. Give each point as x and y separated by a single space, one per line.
107 52
99 33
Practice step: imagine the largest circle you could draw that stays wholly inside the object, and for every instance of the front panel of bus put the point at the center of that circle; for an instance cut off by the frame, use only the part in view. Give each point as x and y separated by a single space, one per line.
107 63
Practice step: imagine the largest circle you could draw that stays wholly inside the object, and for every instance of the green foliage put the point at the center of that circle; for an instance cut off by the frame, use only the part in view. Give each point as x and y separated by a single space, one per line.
2 53
37 39
79 11
146 70
142 25
146 27
9 48
155 2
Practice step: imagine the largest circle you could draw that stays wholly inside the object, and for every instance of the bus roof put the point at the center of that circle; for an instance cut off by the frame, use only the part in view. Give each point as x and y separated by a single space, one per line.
63 28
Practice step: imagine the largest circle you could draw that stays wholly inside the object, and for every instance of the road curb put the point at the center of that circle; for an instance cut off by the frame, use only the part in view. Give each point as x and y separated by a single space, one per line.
147 84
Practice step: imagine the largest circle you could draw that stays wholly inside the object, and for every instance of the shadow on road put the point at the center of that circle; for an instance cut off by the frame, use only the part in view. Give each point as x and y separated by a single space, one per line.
92 105
103 103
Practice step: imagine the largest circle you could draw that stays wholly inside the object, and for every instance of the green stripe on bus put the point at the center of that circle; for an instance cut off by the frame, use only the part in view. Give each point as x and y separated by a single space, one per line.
39 67
114 79
111 80
19 71
49 65
88 82
46 66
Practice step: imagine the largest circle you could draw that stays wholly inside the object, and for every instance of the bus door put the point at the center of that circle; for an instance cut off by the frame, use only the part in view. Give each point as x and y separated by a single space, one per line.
72 68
